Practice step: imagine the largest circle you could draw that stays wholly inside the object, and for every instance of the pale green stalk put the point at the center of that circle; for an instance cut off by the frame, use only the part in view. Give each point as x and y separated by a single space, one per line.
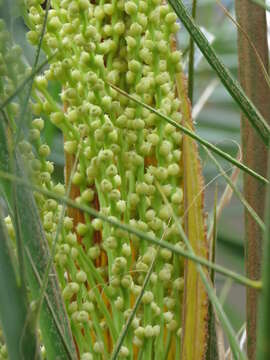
123 333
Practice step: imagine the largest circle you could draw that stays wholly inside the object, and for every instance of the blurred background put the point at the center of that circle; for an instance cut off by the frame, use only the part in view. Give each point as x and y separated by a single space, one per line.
216 118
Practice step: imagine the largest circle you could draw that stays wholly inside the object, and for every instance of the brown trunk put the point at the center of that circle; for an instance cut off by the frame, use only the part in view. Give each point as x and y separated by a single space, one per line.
253 21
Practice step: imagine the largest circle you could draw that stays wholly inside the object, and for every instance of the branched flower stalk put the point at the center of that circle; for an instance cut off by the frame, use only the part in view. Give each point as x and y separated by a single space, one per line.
122 150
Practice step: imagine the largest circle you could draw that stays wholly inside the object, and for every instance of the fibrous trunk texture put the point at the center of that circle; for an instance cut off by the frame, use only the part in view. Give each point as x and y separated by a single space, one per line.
253 21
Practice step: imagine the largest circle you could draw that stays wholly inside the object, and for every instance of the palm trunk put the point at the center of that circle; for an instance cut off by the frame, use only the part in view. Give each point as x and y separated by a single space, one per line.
253 21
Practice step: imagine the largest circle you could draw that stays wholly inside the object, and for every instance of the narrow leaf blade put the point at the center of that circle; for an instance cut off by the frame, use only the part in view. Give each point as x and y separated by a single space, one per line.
15 319
4 162
233 87
263 327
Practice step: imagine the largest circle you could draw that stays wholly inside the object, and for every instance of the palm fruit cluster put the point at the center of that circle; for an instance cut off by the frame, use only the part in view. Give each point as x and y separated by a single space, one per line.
12 72
116 152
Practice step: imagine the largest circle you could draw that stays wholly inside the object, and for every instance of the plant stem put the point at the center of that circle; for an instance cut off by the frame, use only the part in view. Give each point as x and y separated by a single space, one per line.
263 344
191 57
236 192
252 113
252 19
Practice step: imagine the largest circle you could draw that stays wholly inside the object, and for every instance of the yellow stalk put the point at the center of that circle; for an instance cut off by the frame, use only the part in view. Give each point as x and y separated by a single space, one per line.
195 301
